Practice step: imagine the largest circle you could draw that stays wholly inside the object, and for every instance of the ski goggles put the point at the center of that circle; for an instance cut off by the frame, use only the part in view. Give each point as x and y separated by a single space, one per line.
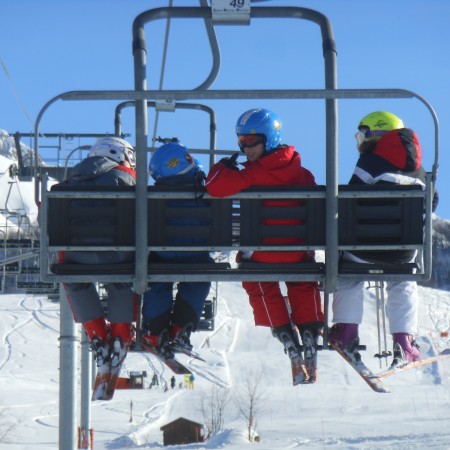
363 135
250 140
131 156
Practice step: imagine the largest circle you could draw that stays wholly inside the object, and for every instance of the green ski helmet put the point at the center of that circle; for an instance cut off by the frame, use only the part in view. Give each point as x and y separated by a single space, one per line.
377 124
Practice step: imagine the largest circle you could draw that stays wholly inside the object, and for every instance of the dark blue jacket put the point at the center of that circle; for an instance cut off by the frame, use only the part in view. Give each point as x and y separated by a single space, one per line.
188 180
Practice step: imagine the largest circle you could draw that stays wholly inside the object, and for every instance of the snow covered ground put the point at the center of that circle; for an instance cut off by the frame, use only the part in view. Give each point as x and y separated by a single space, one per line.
338 412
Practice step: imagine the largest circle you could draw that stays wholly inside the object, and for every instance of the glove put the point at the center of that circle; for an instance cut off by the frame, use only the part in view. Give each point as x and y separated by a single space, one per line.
231 162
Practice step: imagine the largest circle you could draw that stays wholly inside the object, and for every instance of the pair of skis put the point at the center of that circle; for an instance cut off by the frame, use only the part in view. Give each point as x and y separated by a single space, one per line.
375 381
300 373
106 380
304 370
172 363
107 375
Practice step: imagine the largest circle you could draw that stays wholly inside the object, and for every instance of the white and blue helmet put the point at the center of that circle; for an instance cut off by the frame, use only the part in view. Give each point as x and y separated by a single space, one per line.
171 159
114 148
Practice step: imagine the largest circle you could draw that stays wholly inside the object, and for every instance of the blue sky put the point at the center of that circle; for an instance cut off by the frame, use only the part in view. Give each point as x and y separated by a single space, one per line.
53 46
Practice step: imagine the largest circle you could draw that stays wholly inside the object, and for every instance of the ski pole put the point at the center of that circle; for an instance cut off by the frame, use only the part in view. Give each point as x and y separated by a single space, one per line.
386 353
378 301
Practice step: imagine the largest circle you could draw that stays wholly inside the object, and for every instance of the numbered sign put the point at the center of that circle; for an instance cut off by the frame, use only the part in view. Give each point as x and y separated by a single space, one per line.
231 12
165 105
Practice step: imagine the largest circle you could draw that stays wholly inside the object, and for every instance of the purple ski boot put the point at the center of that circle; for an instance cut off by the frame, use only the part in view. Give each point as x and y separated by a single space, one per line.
406 350
345 336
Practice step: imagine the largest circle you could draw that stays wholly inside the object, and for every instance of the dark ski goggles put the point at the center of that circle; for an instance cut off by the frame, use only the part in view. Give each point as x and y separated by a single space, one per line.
250 140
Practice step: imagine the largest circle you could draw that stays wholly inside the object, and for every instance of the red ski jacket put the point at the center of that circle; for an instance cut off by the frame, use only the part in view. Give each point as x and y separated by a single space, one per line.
278 168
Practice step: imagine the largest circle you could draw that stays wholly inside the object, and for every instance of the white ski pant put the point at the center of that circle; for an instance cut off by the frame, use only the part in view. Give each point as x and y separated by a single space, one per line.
402 302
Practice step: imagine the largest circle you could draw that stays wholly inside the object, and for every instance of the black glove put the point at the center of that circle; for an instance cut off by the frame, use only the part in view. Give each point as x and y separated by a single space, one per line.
231 162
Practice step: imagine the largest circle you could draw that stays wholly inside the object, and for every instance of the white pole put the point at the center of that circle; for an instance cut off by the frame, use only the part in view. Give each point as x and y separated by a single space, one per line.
86 385
69 341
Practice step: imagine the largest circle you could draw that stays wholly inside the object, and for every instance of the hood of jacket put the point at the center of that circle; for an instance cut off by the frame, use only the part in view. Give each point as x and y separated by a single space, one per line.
92 167
279 167
400 148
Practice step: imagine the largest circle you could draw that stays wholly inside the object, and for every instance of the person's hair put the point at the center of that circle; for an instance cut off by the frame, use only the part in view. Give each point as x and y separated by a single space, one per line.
368 146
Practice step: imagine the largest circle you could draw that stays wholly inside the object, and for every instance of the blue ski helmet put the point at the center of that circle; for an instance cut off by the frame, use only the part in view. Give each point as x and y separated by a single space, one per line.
263 122
171 159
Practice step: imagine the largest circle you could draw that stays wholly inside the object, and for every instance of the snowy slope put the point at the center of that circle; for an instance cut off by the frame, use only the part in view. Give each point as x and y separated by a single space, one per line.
338 412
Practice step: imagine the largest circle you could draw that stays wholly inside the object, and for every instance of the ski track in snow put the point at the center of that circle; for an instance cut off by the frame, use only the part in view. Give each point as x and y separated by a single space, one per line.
8 338
19 332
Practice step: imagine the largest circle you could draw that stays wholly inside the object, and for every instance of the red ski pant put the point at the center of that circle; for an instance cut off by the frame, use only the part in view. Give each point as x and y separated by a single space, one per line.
269 306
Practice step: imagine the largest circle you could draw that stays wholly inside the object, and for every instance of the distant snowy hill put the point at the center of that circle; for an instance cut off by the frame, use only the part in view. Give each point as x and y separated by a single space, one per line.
17 206
9 150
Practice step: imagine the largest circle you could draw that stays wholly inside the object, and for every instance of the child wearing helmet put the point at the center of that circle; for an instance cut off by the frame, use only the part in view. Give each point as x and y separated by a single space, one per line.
270 163
168 324
389 153
110 162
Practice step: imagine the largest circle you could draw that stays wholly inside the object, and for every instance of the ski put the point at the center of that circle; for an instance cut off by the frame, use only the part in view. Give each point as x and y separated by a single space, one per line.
439 357
101 381
106 382
299 374
110 387
371 379
173 364
185 351
109 372
310 356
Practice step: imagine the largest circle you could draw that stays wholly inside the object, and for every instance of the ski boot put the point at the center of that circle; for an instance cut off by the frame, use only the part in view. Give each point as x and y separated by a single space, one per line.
285 334
345 337
310 334
180 337
289 338
122 335
406 350
159 342
98 331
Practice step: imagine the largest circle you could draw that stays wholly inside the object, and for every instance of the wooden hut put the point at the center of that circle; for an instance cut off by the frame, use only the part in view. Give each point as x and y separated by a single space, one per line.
135 381
182 431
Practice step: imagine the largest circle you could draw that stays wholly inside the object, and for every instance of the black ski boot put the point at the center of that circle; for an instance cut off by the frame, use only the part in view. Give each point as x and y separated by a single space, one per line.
285 334
310 333
159 342
180 337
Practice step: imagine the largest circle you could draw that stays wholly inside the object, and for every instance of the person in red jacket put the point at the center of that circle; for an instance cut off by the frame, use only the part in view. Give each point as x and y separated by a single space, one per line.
270 163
